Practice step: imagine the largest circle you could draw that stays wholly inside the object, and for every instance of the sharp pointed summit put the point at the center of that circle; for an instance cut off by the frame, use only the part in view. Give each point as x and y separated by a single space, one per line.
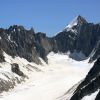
80 19
76 21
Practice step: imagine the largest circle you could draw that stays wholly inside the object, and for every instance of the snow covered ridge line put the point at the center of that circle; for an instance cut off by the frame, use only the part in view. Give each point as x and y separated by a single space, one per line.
14 71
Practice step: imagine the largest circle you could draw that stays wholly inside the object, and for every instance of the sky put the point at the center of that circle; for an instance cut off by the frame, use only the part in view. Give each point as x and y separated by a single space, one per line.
48 16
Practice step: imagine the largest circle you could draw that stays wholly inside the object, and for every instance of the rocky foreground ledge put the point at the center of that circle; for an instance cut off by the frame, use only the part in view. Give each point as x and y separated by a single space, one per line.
87 89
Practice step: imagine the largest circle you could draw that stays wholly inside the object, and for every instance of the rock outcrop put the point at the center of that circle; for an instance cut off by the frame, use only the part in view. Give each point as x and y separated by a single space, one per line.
80 38
15 69
90 84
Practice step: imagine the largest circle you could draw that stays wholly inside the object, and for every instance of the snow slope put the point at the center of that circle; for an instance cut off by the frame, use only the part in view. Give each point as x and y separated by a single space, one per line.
91 97
50 81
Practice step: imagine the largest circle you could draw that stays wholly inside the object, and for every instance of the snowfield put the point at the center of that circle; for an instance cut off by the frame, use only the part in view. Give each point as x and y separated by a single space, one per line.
48 81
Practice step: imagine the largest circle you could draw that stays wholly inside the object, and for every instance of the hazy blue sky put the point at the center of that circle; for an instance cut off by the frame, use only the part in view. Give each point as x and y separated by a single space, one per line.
49 16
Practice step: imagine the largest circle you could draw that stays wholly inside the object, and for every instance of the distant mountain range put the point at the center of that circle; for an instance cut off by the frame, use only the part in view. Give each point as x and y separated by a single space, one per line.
80 39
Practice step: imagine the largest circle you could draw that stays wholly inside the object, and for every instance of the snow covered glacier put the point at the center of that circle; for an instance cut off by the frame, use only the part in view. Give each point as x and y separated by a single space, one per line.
34 66
47 81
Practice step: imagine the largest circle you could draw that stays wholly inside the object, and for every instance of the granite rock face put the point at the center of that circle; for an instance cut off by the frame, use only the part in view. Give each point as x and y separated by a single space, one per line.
15 69
80 38
90 84
17 41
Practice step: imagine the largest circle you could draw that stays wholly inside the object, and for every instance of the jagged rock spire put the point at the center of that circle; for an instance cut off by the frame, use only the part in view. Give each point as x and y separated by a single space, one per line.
76 21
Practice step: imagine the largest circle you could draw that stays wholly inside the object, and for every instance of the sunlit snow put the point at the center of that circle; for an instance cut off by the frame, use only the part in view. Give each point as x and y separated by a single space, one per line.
54 79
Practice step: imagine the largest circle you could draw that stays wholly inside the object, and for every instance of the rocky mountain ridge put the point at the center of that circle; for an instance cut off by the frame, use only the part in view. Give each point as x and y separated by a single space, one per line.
20 47
80 38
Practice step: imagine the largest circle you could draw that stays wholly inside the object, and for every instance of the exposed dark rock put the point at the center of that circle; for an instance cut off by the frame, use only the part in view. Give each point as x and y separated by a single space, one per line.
64 42
98 96
2 59
85 40
83 37
17 41
6 85
96 52
15 69
90 84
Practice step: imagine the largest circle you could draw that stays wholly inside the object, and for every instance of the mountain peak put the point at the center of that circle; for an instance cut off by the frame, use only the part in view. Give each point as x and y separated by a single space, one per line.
81 19
76 21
